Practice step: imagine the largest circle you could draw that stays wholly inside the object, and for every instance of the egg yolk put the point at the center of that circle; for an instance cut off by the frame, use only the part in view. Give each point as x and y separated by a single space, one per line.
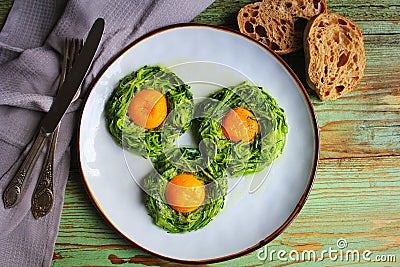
185 193
148 108
240 124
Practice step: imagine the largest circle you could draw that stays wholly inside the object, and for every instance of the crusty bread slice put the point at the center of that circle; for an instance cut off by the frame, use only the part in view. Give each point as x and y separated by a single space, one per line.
279 24
335 55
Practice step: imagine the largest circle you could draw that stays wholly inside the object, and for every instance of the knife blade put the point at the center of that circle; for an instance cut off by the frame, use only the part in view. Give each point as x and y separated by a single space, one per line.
14 191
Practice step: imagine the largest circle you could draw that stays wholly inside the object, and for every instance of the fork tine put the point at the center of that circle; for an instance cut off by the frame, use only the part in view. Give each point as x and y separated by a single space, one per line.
71 55
75 47
65 61
78 44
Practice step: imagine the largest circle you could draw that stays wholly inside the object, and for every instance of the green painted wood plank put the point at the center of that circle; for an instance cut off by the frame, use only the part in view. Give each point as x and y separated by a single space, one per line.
372 12
379 27
5 7
221 13
355 198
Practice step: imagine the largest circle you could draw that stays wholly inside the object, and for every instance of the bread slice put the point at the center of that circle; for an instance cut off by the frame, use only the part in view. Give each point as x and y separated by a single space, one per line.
335 55
279 24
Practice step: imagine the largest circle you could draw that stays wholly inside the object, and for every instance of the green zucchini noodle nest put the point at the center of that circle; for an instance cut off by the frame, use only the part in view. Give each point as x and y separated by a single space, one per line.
163 214
215 155
134 138
242 158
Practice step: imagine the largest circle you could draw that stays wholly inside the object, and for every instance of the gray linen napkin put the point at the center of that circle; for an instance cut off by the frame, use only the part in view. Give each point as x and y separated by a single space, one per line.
30 57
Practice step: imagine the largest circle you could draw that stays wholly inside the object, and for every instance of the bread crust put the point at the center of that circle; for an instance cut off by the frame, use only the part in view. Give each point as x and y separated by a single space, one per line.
335 55
279 24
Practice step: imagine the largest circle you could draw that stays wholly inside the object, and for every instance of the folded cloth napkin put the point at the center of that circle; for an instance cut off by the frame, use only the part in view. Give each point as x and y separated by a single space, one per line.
31 44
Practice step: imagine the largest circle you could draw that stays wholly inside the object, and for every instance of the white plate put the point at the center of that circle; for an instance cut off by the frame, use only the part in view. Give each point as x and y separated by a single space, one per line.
207 57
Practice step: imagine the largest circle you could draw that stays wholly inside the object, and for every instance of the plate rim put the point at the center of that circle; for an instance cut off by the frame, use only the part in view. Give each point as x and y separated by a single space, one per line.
310 109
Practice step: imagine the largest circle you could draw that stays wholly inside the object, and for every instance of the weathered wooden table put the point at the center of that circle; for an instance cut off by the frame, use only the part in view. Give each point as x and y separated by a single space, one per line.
356 193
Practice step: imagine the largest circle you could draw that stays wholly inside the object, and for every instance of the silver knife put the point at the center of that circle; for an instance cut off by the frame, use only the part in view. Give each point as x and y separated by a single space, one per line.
13 193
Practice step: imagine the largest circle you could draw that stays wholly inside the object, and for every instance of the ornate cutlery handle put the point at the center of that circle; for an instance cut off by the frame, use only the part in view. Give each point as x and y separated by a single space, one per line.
15 189
43 197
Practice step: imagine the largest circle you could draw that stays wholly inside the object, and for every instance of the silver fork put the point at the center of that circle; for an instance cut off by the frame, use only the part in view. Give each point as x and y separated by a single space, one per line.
43 195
